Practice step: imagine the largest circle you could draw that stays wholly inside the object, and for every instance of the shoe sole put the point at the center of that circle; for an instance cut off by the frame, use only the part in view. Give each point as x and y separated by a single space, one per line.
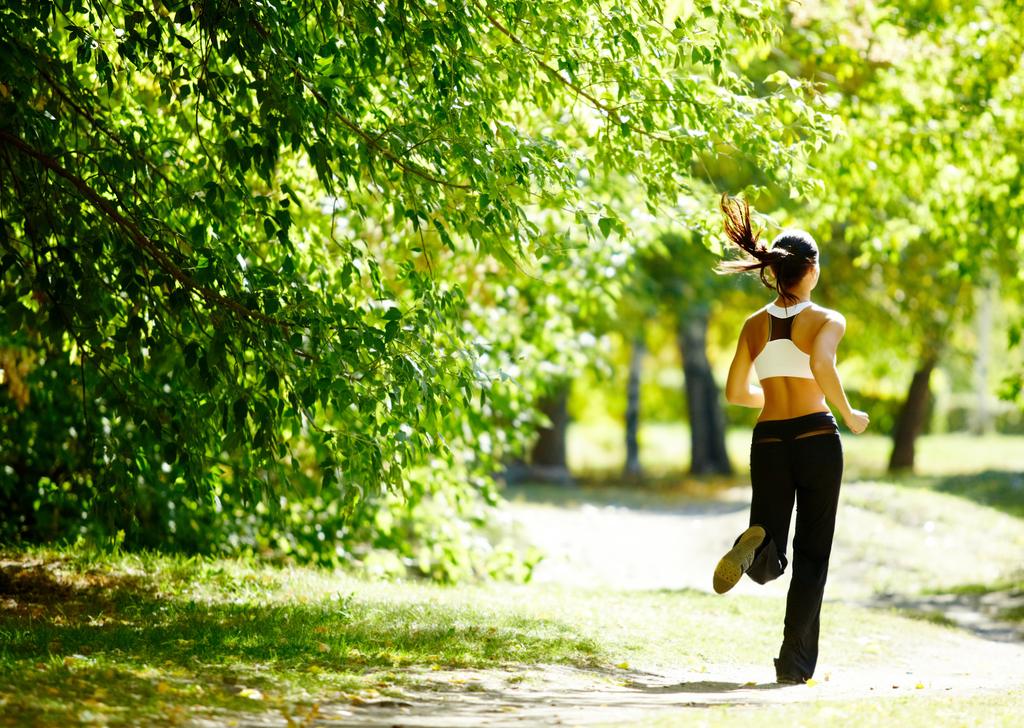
731 566
790 680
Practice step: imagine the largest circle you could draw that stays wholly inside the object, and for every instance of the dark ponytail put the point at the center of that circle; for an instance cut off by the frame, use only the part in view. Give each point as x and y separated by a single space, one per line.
788 259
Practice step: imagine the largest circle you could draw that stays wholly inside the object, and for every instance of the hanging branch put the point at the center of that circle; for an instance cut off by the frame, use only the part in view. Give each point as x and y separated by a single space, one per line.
141 240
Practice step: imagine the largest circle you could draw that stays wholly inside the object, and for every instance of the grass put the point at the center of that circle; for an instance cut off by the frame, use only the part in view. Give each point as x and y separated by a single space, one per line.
128 639
1001 489
176 634
1005 597
994 710
598 451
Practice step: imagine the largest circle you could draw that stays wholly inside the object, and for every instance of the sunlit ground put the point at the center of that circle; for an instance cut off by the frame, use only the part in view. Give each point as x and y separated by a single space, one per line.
135 639
130 640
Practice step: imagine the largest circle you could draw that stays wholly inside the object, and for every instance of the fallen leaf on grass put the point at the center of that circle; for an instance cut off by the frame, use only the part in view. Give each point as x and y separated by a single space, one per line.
251 693
303 718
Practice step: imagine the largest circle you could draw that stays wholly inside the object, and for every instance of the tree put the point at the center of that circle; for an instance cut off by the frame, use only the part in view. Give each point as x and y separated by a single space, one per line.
548 458
638 348
682 278
238 238
924 188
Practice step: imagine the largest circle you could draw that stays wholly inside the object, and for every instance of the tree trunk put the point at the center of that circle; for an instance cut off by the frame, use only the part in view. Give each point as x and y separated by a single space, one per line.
981 418
707 418
548 458
912 417
633 469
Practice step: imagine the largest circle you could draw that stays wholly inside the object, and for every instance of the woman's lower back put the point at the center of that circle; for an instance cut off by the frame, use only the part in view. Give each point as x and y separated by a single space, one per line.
789 397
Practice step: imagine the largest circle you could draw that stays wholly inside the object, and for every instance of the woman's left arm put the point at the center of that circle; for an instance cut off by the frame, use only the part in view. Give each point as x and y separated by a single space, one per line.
738 389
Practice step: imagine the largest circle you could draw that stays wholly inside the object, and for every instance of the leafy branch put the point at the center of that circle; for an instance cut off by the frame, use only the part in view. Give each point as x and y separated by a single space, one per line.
136 235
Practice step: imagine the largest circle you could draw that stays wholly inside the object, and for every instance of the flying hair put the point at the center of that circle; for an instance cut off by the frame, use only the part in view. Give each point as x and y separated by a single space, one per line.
786 260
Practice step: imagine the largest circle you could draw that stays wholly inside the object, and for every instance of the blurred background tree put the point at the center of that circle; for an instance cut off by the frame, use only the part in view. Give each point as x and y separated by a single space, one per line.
683 282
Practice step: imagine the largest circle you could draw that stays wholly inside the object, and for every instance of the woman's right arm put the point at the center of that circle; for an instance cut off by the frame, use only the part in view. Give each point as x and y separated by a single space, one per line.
738 389
823 367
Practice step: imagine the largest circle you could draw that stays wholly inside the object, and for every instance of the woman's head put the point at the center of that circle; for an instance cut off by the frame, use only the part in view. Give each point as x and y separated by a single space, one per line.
792 255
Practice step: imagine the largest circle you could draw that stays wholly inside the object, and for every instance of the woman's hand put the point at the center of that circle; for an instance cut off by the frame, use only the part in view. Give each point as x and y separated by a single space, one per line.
857 421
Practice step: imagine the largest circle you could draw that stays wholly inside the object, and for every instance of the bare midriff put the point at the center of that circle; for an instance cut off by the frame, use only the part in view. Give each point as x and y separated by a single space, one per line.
788 397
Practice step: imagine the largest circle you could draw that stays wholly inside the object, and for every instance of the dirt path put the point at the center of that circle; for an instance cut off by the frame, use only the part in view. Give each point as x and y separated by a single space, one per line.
889 543
560 695
887 539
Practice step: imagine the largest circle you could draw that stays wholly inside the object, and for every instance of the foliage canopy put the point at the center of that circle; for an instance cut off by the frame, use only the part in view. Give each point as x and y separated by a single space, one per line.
249 249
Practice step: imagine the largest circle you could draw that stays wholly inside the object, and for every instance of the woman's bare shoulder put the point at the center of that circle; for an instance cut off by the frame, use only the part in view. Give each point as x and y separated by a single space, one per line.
758 315
755 321
755 329
825 315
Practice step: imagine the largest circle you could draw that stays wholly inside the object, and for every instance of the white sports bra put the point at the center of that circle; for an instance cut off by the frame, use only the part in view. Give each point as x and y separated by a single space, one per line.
780 357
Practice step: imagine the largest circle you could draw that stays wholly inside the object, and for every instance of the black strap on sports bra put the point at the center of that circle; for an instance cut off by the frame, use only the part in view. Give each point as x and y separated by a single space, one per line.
780 328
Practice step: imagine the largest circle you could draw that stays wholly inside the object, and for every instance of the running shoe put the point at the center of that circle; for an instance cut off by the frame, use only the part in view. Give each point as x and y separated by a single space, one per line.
734 564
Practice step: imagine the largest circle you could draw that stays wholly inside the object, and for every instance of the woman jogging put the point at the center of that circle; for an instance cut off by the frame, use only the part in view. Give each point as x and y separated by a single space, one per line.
795 454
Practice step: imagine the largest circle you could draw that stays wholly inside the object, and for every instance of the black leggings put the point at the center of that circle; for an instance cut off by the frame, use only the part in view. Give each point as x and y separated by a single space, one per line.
799 459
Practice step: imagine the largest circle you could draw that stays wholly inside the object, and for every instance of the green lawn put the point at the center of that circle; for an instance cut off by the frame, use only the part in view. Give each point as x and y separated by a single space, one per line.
173 634
598 450
1001 489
